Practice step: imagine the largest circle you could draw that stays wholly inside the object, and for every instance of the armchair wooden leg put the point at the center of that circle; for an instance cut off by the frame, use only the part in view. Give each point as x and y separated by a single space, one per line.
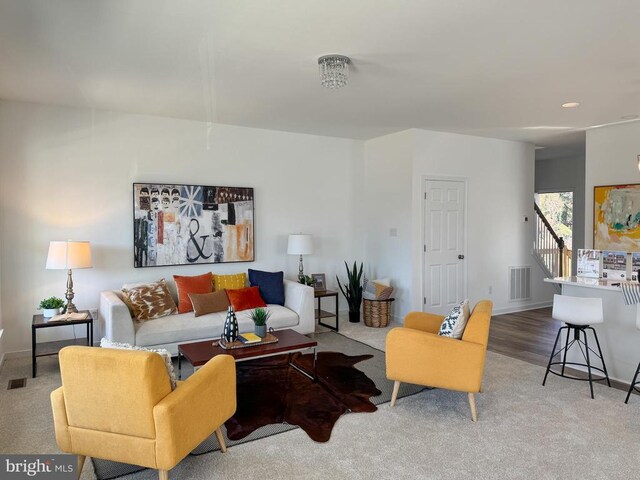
481 389
394 395
164 474
472 404
81 459
223 447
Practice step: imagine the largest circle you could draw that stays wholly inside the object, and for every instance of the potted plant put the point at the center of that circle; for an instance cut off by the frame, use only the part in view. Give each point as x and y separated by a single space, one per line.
306 280
51 306
352 291
260 317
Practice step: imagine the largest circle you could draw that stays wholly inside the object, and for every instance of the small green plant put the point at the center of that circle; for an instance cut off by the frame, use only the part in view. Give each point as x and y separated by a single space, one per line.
352 289
260 316
306 280
50 303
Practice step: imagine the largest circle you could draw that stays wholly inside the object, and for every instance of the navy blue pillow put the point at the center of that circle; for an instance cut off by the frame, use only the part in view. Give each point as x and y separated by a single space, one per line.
271 285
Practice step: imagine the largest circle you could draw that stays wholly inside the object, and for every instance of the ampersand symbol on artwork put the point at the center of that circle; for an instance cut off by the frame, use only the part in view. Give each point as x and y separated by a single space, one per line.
192 238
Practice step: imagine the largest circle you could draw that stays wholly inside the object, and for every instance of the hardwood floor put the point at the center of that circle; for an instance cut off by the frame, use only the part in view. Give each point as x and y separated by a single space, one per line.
529 336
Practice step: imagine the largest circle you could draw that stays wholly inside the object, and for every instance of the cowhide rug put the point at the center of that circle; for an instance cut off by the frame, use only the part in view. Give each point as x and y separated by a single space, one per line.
269 390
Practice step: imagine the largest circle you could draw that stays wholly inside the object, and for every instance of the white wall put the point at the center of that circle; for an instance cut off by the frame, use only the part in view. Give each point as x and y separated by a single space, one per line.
386 205
67 174
500 177
611 159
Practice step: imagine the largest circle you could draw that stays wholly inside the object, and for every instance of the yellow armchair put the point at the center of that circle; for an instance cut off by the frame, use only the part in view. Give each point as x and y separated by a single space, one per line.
416 354
118 405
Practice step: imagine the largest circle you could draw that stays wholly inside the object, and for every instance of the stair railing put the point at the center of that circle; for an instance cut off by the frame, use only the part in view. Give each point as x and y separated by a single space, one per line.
550 248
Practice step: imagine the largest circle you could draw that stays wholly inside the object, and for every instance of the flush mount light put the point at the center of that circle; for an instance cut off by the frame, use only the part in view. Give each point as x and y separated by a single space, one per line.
334 70
629 117
571 105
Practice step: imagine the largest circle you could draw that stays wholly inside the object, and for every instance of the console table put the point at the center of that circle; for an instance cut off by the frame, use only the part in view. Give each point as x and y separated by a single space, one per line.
52 348
320 314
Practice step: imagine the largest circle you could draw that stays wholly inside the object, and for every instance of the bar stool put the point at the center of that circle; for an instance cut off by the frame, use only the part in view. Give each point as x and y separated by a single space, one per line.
578 314
635 380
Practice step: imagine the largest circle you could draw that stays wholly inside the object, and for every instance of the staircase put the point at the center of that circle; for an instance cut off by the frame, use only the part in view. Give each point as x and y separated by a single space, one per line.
549 249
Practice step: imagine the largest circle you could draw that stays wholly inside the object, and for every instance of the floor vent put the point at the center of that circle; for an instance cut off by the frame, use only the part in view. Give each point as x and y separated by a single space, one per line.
17 383
519 283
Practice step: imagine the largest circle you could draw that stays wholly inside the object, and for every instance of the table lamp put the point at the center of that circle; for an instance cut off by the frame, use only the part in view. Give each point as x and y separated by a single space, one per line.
300 244
67 255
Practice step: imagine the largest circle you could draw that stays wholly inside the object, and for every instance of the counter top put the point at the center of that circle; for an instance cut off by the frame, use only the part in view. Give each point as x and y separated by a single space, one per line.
596 283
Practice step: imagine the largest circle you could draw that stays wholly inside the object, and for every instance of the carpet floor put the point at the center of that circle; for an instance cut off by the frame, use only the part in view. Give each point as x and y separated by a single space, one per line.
524 430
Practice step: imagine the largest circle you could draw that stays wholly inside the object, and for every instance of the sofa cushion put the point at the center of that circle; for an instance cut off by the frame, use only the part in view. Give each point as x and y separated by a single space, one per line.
204 303
149 301
182 328
245 298
271 285
454 323
227 282
187 285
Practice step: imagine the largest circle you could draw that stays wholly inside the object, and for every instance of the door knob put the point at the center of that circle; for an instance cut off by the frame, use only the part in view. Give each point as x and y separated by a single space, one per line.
460 257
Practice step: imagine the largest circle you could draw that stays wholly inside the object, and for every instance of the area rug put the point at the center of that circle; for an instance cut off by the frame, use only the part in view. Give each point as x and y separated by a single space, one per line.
373 369
271 390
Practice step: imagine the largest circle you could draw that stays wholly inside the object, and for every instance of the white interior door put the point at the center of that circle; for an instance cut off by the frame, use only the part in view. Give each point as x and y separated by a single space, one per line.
444 263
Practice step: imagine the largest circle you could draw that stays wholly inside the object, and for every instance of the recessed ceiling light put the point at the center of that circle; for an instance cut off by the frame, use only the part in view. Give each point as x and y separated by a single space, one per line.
571 105
629 117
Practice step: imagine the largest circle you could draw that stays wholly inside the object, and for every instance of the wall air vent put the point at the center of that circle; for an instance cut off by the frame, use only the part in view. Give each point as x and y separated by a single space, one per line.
519 283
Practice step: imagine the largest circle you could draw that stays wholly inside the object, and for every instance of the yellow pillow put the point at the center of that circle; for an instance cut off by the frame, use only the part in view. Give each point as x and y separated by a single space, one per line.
229 282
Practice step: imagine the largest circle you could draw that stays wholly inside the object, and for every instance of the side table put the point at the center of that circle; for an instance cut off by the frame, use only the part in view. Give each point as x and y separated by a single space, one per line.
44 349
320 314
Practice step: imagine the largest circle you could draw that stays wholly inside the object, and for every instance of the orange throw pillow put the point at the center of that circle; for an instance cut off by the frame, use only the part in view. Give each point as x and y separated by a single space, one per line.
245 298
187 285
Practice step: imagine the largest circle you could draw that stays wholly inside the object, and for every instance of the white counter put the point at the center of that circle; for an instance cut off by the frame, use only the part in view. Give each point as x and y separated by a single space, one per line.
618 335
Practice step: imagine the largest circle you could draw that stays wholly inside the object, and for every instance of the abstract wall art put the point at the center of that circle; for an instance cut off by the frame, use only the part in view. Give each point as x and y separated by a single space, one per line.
189 224
616 217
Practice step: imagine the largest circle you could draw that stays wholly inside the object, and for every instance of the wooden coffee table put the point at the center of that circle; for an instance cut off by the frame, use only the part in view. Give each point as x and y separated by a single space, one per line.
289 341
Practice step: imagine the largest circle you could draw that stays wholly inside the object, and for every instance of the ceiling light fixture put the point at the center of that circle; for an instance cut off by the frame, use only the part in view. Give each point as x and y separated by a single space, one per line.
629 117
571 105
334 70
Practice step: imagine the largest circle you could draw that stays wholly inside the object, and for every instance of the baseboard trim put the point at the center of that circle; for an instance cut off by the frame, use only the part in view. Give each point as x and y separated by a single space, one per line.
17 354
521 308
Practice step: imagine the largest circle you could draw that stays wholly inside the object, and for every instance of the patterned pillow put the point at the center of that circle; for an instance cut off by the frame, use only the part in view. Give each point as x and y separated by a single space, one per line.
229 282
383 292
454 323
150 301
166 356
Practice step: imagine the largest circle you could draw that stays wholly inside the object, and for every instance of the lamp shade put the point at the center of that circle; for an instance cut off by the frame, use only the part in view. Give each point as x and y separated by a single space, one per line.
300 244
67 255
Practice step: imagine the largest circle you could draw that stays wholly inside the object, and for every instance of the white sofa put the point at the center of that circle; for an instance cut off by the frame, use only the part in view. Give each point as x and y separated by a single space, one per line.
167 332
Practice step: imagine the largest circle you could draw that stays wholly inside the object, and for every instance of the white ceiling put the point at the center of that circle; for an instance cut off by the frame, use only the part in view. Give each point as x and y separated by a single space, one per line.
496 68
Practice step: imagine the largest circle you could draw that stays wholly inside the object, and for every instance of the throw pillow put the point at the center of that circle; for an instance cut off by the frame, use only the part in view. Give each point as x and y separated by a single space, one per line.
383 292
245 298
166 356
368 290
455 321
187 285
150 301
229 282
204 303
271 285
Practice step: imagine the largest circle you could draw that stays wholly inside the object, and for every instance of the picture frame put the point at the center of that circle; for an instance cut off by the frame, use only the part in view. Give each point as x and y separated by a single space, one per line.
181 224
319 282
616 217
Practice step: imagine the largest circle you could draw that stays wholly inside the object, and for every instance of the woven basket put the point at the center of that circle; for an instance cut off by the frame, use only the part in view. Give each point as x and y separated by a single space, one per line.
377 313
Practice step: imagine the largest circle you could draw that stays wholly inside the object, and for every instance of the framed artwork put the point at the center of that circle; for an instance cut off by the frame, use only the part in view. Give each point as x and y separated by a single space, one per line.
319 281
176 224
616 217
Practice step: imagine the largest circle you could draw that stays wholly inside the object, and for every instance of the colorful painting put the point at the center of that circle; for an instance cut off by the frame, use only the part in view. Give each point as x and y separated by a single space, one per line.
616 217
189 224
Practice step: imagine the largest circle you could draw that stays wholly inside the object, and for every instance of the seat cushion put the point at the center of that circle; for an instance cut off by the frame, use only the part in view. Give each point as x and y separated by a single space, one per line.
271 285
185 327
